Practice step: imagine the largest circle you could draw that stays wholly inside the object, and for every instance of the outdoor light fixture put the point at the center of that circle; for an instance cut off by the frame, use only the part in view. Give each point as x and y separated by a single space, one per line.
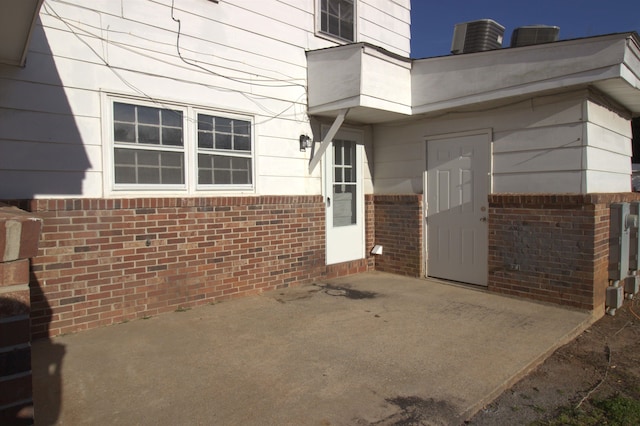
305 142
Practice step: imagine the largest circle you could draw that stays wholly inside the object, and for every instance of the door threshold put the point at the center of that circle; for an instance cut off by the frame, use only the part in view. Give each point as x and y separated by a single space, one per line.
470 286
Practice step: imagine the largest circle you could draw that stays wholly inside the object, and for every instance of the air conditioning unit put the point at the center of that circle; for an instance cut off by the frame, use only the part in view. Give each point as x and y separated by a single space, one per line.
534 34
477 36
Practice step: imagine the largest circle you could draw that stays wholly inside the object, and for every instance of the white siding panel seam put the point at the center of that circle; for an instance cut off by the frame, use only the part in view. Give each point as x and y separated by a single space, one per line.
538 150
535 127
49 112
609 130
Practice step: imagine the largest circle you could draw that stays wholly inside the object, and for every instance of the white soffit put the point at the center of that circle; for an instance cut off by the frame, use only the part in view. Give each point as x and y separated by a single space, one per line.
17 19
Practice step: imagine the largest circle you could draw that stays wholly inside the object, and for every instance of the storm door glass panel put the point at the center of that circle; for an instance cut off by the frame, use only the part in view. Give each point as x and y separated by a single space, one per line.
344 183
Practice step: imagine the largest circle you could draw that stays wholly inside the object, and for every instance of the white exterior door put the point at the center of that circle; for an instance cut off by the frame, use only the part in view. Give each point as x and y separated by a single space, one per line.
457 185
344 199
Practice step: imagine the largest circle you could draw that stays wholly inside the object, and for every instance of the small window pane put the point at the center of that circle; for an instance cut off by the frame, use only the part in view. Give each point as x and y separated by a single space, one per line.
148 175
205 122
171 136
334 25
348 177
338 147
222 177
171 176
124 132
125 156
171 118
223 125
205 140
205 177
241 127
124 112
346 30
125 174
148 115
347 154
220 162
240 177
149 134
334 7
242 143
223 141
205 161
171 159
148 158
346 11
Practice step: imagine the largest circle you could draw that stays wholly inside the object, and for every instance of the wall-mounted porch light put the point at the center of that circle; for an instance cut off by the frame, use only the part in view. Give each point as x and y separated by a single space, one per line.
305 142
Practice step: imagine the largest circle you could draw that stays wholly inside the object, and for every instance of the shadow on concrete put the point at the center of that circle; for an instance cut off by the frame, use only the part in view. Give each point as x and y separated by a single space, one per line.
46 363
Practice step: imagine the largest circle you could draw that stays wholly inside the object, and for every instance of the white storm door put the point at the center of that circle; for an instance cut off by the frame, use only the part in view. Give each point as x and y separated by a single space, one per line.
344 199
457 200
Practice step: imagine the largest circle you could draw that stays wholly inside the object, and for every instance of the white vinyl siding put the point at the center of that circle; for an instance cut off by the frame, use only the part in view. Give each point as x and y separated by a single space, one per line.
241 57
551 144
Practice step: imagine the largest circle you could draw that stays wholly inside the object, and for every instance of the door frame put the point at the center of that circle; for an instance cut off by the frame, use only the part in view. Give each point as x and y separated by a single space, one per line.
438 136
358 136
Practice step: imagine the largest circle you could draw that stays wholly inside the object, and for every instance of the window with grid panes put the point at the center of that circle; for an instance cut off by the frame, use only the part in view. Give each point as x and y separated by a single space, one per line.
148 145
337 18
152 148
224 151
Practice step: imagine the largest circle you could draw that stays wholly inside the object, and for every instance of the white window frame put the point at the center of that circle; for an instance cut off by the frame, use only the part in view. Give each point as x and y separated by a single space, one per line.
238 154
332 37
189 148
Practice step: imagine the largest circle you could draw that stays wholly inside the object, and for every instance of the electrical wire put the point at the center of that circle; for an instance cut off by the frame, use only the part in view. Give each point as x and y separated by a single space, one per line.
235 79
73 29
287 78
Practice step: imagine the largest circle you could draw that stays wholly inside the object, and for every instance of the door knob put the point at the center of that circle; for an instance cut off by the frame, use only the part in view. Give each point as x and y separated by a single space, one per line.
483 219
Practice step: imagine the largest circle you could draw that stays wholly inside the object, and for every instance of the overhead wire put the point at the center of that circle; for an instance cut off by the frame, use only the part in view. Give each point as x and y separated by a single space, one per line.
287 78
252 97
235 79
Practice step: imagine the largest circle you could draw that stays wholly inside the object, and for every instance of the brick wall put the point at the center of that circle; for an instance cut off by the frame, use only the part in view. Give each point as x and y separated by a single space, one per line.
398 228
552 248
105 261
19 234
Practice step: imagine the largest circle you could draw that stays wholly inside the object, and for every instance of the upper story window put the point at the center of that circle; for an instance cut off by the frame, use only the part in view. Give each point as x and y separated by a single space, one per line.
337 18
178 148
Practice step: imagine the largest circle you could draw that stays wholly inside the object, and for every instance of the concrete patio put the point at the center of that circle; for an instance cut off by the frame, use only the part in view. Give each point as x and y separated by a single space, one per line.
369 349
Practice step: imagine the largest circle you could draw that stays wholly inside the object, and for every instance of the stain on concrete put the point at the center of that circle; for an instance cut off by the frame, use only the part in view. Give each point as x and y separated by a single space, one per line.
416 411
349 293
294 294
